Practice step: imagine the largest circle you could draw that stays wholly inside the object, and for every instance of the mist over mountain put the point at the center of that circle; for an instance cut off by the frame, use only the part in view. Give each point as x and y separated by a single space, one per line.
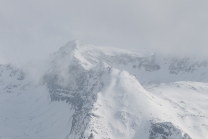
35 29
86 91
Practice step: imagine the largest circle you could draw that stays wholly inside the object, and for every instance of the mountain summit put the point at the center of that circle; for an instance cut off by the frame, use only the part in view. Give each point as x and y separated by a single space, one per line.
92 92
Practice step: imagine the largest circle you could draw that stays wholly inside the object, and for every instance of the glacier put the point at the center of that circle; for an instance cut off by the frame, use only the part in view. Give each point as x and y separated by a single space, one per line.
84 91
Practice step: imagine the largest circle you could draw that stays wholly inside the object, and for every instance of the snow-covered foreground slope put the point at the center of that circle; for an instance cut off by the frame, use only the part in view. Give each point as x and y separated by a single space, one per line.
84 91
187 105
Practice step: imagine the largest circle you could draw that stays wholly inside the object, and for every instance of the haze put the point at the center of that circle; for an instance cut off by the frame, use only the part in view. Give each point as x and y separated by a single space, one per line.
34 29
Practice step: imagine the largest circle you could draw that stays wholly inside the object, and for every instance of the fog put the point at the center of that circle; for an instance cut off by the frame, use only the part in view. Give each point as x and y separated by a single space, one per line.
34 29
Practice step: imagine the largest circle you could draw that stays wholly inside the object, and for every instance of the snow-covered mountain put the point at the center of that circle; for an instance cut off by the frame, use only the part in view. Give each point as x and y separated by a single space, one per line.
85 91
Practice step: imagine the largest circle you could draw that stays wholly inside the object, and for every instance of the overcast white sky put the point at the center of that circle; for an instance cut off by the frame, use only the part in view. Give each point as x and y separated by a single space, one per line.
35 28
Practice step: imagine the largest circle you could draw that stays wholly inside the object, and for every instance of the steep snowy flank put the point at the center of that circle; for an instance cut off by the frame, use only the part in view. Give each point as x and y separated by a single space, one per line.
91 92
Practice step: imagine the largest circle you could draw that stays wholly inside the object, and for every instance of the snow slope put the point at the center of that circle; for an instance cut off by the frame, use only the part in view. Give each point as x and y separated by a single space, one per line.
26 110
86 91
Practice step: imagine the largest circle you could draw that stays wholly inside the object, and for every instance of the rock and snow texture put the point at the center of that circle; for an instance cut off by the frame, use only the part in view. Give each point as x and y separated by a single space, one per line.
88 92
166 130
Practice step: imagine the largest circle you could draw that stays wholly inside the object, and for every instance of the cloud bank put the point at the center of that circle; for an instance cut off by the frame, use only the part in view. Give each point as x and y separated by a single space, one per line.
34 29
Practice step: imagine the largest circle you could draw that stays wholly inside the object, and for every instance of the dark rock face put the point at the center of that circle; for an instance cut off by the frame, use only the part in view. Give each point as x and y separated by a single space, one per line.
166 130
78 87
21 75
147 63
91 136
185 65
12 72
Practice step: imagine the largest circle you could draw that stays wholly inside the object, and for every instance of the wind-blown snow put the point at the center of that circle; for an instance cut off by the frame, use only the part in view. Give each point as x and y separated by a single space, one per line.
85 91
